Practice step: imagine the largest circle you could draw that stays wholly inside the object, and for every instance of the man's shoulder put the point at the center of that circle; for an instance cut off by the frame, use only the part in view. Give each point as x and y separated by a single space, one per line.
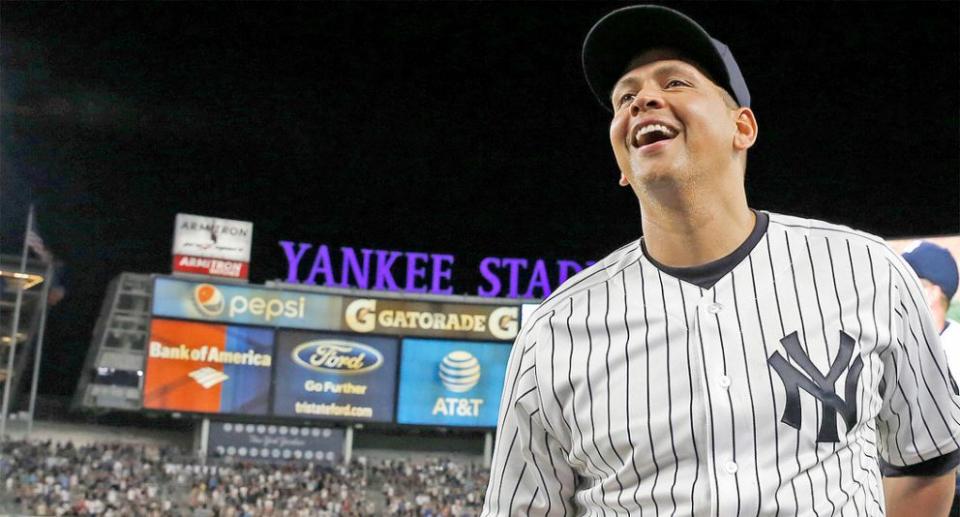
818 232
951 334
834 233
594 275
824 229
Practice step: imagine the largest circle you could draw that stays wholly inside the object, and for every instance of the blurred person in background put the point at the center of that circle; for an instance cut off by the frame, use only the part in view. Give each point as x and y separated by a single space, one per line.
937 270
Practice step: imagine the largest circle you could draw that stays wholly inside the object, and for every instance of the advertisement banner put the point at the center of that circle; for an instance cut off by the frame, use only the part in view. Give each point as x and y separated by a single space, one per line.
210 266
335 376
205 368
175 298
274 443
451 383
431 319
212 237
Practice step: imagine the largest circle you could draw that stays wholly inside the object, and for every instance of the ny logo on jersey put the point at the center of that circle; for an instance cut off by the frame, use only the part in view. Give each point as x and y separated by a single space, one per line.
821 386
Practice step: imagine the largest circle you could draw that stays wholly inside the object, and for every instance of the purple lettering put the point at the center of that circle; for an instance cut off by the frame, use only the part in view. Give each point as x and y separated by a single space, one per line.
514 264
415 272
489 276
567 267
361 274
293 259
440 273
355 271
321 264
385 280
538 279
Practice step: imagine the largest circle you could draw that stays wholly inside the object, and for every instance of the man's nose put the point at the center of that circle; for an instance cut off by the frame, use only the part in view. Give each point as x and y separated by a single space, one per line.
645 101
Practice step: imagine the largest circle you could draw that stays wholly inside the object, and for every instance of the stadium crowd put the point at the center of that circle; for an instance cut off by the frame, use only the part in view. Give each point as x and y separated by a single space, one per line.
432 487
112 480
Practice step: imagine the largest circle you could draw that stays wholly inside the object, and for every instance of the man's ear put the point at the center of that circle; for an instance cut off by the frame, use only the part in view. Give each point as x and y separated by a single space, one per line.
940 296
746 129
623 180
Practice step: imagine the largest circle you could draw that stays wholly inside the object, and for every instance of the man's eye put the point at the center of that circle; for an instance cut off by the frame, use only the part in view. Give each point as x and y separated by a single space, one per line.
675 82
625 98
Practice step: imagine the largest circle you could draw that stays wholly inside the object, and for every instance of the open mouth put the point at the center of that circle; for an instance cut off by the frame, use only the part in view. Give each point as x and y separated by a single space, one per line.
646 134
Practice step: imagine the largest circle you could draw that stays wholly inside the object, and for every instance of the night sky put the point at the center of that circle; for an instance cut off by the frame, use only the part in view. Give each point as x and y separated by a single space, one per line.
461 128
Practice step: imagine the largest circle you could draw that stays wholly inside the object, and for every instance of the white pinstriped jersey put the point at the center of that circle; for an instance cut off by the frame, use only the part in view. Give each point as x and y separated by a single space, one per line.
950 338
777 391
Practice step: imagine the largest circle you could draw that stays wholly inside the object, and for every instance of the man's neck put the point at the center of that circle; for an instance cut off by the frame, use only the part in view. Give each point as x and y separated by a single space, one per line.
687 232
939 316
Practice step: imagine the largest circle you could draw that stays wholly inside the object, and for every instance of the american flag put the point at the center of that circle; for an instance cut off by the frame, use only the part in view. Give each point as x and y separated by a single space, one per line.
35 243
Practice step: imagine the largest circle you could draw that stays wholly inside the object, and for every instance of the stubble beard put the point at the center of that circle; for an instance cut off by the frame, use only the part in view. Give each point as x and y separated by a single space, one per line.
667 184
654 177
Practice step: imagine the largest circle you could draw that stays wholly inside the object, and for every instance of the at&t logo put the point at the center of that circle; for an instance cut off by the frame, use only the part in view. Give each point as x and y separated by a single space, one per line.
208 300
459 372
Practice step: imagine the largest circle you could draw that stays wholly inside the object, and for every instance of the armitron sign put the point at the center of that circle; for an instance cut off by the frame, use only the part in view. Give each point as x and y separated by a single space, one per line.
212 246
209 266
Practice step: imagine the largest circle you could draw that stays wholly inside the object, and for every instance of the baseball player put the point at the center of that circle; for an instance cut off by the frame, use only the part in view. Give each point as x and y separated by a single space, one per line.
731 361
937 270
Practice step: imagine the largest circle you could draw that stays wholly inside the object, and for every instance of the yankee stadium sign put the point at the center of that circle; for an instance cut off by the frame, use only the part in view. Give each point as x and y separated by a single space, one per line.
418 272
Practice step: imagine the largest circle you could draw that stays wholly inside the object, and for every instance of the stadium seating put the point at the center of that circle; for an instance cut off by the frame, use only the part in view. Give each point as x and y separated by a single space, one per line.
121 479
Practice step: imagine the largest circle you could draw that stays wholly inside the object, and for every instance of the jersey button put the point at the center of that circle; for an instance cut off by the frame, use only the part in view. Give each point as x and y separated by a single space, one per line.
714 308
724 382
730 467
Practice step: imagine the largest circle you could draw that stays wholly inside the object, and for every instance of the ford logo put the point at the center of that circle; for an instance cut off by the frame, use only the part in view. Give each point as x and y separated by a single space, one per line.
335 356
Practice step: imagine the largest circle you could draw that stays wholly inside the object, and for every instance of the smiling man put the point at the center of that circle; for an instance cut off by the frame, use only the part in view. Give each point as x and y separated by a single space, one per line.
731 361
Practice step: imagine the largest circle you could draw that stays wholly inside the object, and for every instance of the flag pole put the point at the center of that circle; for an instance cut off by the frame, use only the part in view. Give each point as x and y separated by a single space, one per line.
7 382
47 282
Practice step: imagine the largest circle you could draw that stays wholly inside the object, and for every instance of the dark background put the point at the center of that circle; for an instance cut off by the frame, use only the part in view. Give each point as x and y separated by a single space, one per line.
463 128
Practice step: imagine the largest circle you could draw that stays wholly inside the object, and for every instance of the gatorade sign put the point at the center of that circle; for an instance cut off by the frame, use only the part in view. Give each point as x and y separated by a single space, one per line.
431 319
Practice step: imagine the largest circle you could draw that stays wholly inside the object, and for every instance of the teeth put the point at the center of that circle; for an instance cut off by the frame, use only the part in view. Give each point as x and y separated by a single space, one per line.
654 127
651 128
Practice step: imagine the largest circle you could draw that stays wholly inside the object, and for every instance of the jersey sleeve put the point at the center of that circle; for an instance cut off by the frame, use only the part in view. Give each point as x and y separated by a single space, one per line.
919 421
529 474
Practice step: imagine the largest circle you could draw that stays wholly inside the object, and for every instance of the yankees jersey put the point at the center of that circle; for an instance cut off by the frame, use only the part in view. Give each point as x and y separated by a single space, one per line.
950 338
781 386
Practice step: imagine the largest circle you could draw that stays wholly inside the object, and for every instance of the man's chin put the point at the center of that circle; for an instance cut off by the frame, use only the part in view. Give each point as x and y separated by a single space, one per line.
655 174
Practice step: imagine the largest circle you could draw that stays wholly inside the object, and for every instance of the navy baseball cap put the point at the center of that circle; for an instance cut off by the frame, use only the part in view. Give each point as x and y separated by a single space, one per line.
625 33
934 263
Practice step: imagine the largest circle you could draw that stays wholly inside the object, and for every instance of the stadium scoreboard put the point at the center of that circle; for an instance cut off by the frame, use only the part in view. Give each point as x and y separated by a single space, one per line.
234 349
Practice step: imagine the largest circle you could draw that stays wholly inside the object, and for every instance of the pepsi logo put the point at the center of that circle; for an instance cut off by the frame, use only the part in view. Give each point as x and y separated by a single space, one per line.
459 371
337 356
208 300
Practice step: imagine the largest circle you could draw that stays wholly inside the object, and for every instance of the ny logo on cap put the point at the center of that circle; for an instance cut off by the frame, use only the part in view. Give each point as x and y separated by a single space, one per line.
821 386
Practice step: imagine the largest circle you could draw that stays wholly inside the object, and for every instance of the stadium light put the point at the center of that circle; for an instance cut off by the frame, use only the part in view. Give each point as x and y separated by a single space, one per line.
27 279
20 338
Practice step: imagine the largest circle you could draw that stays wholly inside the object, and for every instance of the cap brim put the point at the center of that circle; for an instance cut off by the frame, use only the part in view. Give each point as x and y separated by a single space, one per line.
625 33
